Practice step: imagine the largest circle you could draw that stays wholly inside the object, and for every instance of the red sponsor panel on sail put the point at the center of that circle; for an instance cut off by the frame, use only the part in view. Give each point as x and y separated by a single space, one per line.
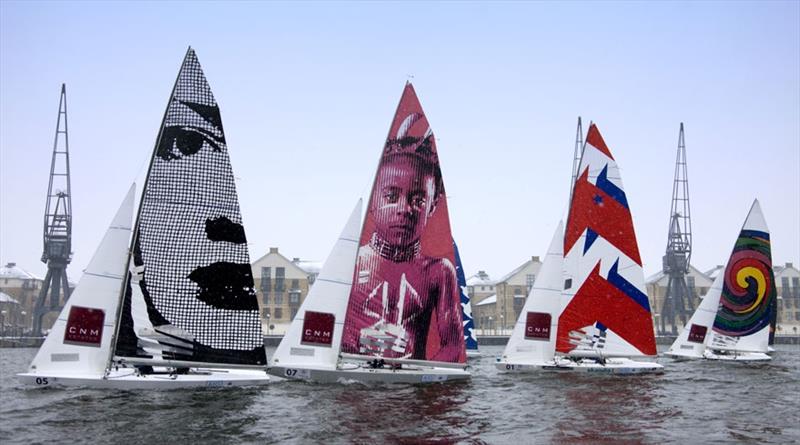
537 326
697 333
405 299
318 329
84 326
609 312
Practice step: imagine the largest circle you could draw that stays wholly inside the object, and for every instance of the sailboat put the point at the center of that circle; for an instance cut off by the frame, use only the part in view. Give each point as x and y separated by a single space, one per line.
386 306
587 310
470 339
733 320
177 308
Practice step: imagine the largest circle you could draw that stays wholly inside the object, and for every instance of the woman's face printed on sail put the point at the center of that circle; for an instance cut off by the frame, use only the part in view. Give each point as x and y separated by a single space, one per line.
404 199
189 126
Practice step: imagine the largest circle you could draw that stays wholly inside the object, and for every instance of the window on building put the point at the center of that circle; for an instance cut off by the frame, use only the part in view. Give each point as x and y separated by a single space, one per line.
796 287
280 278
278 298
265 279
311 279
529 279
482 287
294 312
266 298
517 291
295 285
294 297
266 313
690 284
278 313
785 291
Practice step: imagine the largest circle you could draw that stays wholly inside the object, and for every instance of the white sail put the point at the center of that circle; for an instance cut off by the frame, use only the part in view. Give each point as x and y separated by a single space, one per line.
693 338
742 321
534 335
80 341
315 335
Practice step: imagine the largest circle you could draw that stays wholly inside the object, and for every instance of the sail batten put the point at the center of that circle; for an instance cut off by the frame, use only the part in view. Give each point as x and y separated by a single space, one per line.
189 295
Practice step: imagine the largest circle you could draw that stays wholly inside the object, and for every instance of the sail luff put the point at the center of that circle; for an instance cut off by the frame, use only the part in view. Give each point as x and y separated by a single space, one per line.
135 233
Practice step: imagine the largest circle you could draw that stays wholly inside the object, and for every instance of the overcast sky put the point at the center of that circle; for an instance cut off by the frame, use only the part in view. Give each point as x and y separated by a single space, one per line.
307 92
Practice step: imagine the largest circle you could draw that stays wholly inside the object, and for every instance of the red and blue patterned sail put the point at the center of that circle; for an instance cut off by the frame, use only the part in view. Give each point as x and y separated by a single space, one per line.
605 307
748 292
405 300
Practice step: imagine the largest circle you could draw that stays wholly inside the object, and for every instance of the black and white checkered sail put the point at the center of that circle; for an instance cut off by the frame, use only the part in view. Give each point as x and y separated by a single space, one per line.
190 296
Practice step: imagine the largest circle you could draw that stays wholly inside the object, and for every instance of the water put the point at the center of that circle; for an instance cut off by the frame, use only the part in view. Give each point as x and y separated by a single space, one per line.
693 402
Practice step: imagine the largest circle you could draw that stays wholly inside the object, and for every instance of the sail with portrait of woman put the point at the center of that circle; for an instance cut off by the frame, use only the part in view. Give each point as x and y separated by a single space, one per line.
405 300
190 295
176 307
733 321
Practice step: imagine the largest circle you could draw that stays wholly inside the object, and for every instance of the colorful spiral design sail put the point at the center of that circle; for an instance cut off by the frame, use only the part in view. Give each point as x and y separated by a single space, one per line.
749 287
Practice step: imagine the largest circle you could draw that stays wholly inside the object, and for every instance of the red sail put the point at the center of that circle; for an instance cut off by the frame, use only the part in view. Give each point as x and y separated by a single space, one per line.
405 300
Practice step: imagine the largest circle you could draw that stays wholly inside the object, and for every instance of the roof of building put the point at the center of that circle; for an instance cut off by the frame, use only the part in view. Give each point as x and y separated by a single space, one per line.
11 270
508 276
5 298
492 299
480 279
312 267
660 274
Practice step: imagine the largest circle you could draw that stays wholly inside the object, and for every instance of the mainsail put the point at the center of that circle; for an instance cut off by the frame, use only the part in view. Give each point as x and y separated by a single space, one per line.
470 338
405 299
605 308
189 295
748 292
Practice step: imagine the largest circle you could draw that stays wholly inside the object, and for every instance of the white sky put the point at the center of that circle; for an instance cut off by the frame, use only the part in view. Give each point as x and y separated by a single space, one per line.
307 93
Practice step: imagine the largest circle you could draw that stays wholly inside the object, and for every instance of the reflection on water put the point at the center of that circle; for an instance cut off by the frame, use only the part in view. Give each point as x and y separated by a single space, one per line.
692 401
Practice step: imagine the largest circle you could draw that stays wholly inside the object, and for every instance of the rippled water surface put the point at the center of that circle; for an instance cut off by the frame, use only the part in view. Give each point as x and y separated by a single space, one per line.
692 402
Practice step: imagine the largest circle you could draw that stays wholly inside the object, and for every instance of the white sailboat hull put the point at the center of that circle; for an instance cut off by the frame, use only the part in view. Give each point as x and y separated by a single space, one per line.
128 379
731 356
361 373
611 366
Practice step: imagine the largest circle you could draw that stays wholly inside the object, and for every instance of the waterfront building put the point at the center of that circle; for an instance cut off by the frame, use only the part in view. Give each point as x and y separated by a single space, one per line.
23 287
656 286
11 314
281 285
498 304
787 282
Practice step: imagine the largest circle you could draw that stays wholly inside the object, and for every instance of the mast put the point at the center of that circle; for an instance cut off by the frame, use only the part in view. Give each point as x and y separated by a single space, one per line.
576 158
135 227
678 299
57 233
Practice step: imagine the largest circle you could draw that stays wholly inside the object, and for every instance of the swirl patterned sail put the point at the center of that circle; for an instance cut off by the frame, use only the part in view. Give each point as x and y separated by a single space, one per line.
748 290
405 299
189 295
605 308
